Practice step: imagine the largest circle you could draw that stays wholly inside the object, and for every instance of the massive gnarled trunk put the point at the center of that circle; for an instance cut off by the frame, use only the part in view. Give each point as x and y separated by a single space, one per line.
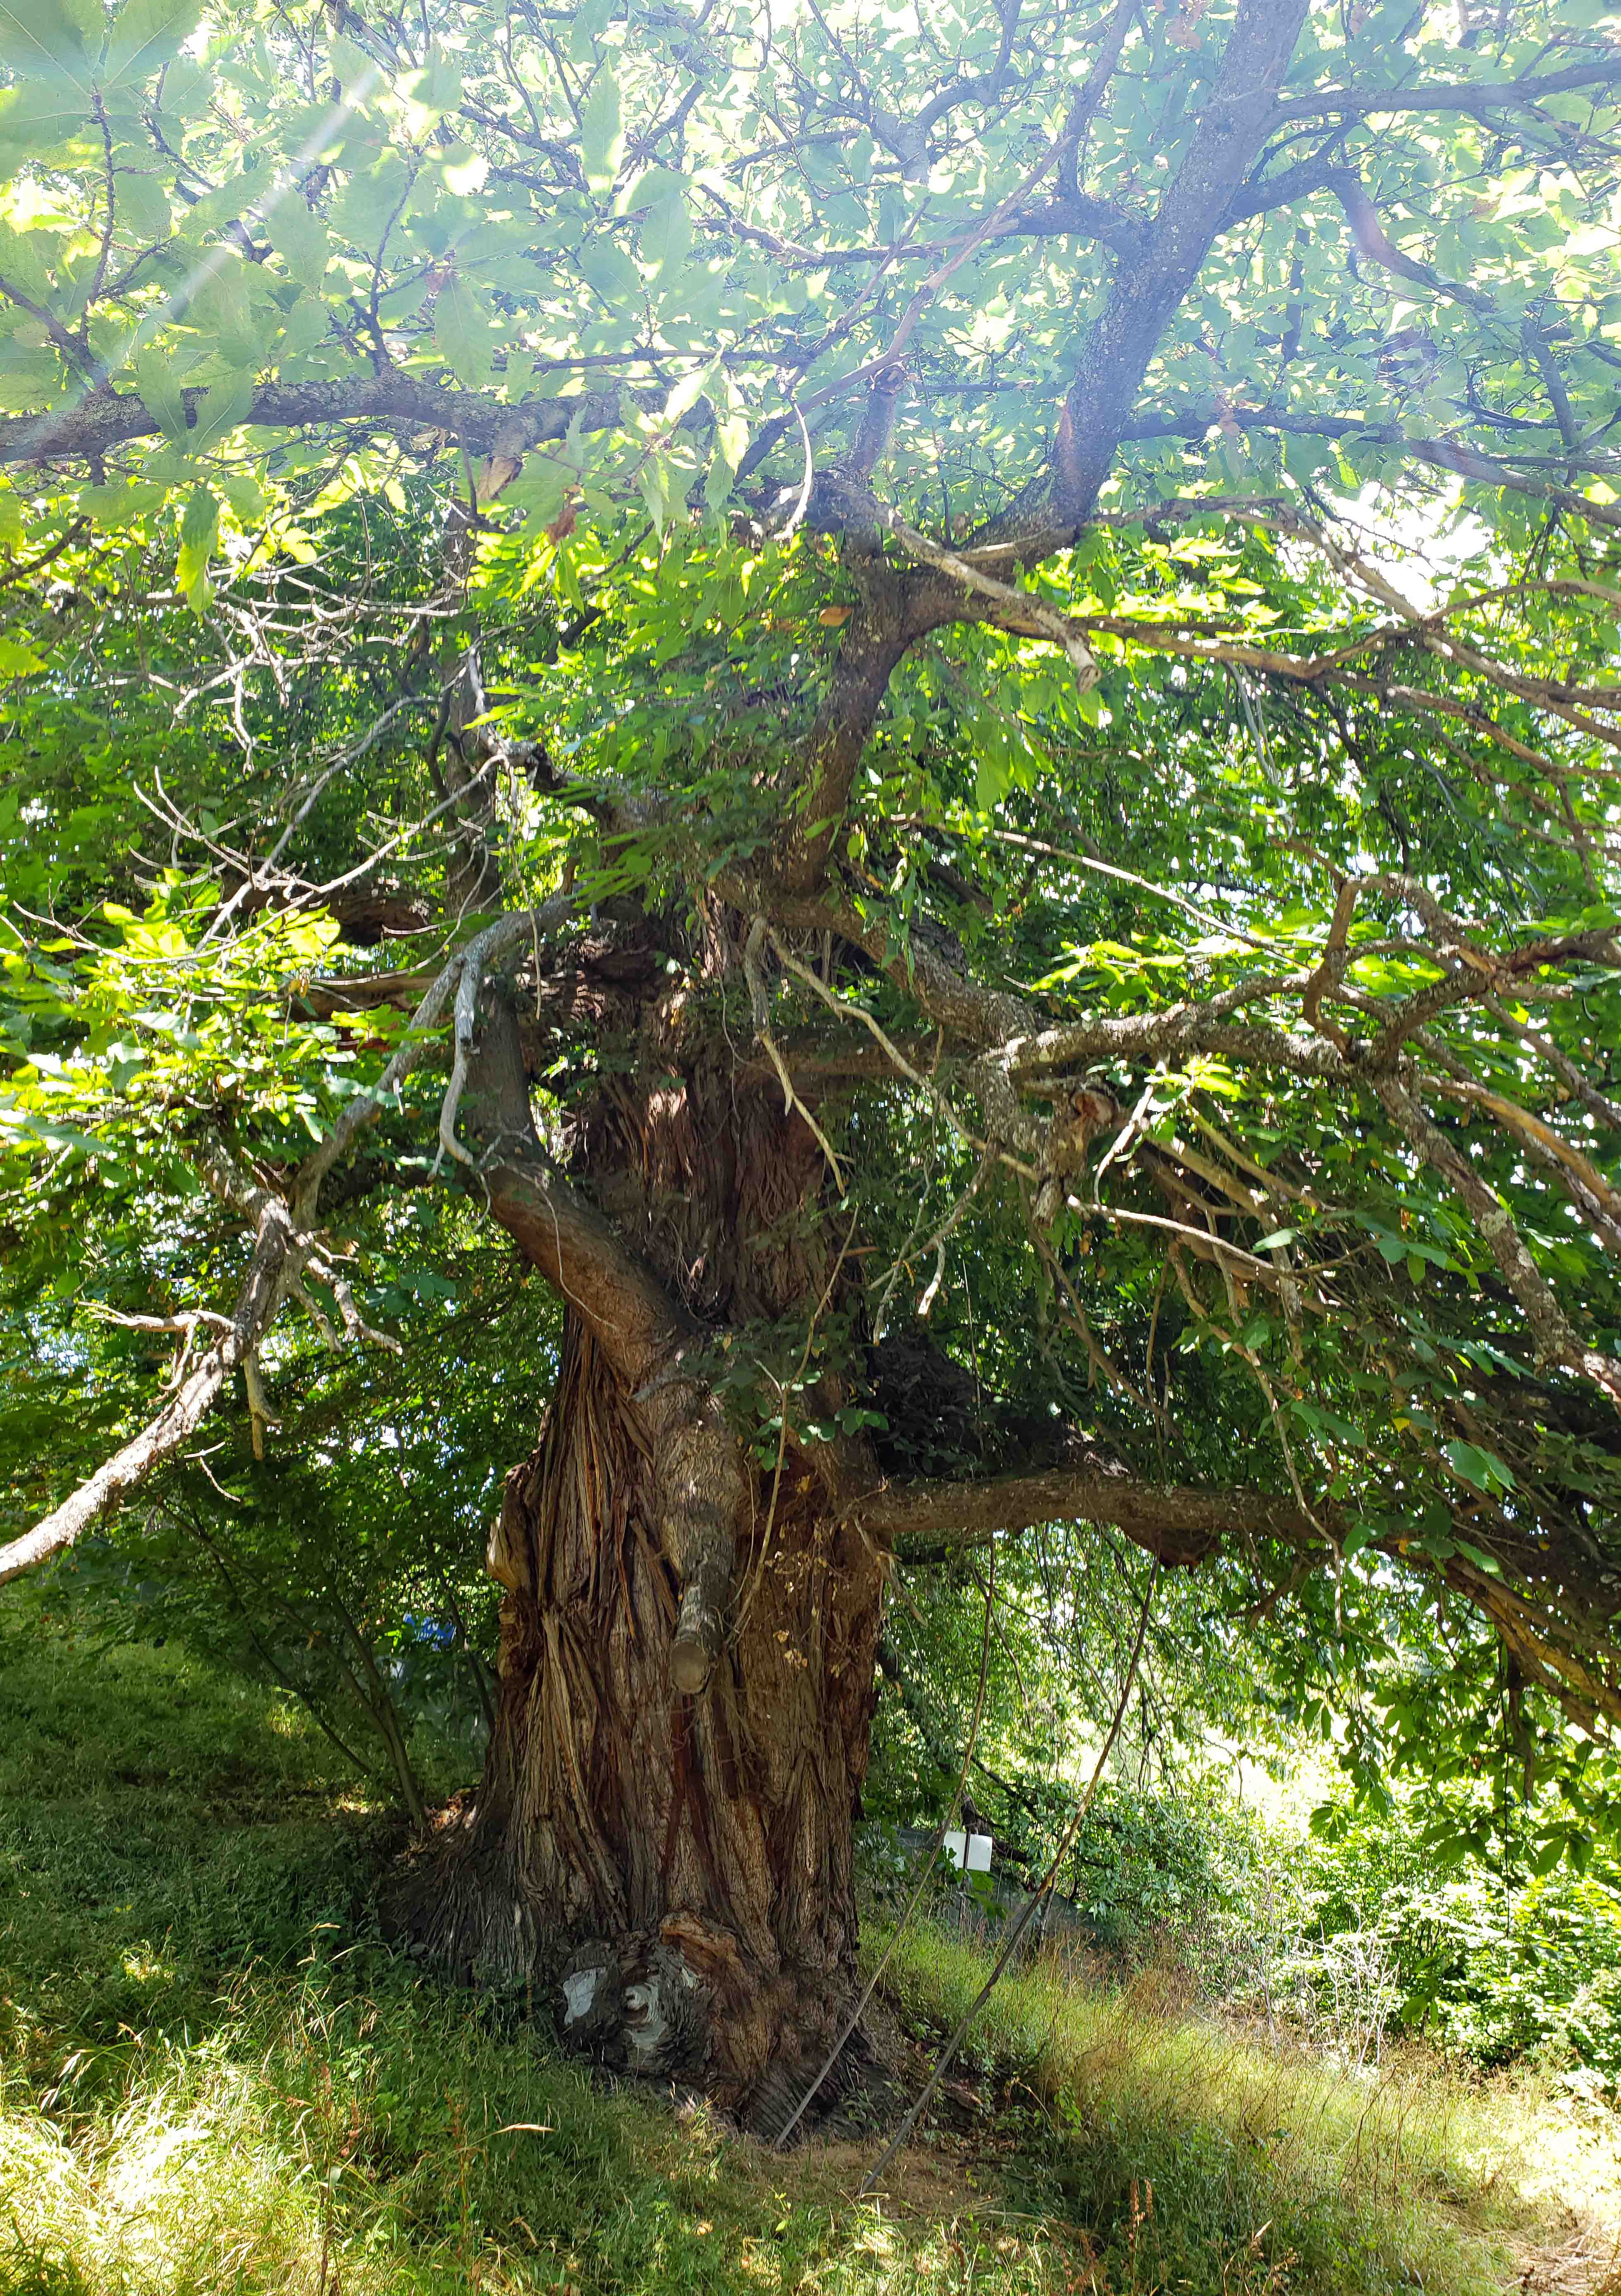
675 1865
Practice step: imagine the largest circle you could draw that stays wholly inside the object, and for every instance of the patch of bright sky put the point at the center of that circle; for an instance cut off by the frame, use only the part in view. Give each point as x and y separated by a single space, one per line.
1419 547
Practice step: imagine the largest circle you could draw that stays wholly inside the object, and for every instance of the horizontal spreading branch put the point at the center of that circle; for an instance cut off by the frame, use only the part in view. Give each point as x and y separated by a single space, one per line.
1022 615
106 419
1180 1525
1478 96
1452 455
1183 1526
977 1016
1019 1053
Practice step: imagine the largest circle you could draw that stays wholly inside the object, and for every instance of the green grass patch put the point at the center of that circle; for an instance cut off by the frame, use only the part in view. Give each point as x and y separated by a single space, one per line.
215 2078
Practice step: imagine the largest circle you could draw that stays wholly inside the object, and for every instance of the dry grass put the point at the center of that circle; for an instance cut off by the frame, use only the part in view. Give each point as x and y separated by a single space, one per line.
1411 2174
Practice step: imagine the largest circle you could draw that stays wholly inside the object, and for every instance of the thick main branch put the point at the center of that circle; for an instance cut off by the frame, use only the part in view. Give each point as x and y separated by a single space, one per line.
648 1338
1180 1524
106 418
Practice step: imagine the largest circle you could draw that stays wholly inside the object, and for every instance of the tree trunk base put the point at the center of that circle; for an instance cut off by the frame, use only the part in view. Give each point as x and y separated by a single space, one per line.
650 2003
671 1877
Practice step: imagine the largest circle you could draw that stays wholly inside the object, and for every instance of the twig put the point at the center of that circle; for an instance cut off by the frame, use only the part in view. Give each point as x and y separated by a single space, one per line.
759 999
1045 620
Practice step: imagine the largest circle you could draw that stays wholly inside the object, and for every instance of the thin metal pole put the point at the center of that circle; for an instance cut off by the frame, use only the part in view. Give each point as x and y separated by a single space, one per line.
950 1810
1039 1898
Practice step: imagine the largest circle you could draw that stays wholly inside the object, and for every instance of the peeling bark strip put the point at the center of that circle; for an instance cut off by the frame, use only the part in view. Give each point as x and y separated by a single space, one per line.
705 1497
643 1334
695 1853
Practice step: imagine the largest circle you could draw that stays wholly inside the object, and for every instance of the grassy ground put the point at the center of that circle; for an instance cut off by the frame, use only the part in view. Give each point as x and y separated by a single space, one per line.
213 2078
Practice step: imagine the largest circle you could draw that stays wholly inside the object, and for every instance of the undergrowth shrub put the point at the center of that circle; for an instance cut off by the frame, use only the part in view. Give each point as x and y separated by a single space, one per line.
1497 1967
1206 2161
1344 1932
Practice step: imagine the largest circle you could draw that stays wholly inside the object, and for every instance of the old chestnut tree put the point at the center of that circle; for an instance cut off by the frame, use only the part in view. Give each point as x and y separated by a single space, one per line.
928 691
